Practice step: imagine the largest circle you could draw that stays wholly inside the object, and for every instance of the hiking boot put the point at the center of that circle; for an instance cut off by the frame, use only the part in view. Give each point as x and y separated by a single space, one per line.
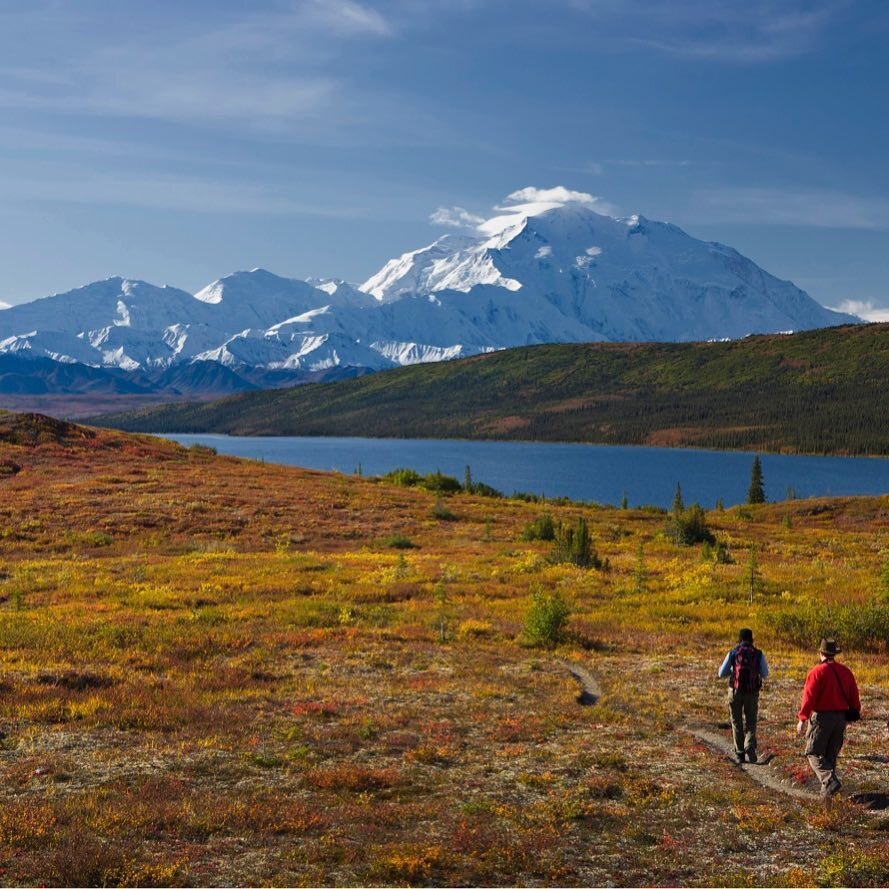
831 787
751 756
739 757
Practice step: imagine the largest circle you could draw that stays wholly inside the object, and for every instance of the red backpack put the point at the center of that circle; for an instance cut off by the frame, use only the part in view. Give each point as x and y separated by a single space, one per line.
745 670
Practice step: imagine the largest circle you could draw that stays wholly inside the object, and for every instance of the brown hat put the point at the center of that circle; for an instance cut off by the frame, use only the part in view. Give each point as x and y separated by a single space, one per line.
829 647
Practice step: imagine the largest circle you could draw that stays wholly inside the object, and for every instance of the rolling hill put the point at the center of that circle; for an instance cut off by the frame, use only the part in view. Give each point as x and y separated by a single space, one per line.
821 391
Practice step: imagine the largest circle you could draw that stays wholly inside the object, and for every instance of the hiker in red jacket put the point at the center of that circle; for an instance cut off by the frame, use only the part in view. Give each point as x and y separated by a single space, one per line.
830 700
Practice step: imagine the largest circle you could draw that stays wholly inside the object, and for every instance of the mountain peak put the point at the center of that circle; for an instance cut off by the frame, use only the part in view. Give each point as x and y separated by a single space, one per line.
551 265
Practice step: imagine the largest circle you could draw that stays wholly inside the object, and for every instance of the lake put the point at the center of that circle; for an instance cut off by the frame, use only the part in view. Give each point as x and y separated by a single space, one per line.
602 473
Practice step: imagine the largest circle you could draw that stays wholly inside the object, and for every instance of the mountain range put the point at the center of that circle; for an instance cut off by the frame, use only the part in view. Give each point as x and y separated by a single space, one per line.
550 273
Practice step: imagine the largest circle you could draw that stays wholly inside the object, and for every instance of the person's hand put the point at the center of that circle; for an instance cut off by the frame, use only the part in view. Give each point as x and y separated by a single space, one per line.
800 726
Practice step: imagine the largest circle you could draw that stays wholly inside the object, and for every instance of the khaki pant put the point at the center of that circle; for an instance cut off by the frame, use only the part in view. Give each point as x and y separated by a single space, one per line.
744 706
824 740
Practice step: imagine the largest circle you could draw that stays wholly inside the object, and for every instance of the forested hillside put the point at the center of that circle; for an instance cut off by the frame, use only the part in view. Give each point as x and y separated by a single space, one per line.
822 391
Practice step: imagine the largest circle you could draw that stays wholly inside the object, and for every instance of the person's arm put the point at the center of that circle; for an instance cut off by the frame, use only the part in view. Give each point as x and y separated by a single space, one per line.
807 704
726 669
854 696
805 707
763 666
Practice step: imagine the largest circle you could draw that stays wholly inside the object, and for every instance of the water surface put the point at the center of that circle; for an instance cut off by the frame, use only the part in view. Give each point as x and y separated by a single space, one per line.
602 473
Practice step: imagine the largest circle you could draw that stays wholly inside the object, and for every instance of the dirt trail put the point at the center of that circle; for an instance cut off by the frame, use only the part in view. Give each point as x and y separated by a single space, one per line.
761 772
590 691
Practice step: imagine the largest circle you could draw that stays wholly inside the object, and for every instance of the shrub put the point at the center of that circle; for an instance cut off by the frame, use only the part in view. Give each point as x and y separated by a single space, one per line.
721 554
399 541
407 478
474 629
434 481
526 497
443 484
856 625
575 545
441 512
853 867
483 490
718 553
689 526
541 528
546 620
202 450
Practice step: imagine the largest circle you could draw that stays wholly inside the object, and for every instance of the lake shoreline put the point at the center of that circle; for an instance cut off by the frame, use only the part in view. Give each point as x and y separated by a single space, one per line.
606 474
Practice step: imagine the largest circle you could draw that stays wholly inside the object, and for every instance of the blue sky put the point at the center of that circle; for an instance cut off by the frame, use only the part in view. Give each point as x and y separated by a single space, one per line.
180 141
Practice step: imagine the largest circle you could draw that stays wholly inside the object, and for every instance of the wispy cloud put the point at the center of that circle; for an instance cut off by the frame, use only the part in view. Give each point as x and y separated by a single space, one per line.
456 217
343 17
631 162
261 69
864 309
818 208
70 184
716 30
530 201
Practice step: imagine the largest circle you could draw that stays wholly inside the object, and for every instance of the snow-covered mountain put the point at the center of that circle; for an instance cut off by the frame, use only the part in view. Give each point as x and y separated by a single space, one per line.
547 272
631 279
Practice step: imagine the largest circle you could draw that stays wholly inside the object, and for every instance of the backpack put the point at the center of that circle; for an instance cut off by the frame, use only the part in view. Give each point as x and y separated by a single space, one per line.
745 670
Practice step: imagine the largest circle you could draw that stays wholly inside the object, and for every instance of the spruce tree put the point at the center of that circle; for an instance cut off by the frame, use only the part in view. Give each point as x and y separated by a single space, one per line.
752 577
678 502
575 545
756 493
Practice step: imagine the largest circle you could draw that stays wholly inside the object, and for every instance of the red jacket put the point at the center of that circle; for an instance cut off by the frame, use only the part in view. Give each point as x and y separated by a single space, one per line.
822 690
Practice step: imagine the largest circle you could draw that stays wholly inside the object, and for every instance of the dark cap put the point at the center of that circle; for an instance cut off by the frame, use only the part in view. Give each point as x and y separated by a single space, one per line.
745 635
829 647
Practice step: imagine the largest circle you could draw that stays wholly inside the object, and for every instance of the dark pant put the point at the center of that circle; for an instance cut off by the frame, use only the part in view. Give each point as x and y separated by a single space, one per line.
744 706
824 740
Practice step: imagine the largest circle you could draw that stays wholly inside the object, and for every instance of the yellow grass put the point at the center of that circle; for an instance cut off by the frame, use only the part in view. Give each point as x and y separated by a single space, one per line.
217 671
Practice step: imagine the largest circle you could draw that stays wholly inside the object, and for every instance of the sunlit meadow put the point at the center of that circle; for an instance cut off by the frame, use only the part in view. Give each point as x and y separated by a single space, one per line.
220 672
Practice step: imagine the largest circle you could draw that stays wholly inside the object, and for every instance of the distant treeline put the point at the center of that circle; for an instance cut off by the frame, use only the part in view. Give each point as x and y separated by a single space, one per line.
819 392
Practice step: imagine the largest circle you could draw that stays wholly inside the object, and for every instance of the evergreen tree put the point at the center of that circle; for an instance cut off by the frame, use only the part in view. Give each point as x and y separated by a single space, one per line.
752 577
443 601
467 480
756 493
576 546
689 526
678 502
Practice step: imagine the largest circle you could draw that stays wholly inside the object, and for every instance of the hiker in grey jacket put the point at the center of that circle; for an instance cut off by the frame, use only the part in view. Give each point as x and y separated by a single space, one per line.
745 667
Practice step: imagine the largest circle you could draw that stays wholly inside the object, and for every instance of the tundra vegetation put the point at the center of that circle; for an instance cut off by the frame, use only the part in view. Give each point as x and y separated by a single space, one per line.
818 392
218 672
